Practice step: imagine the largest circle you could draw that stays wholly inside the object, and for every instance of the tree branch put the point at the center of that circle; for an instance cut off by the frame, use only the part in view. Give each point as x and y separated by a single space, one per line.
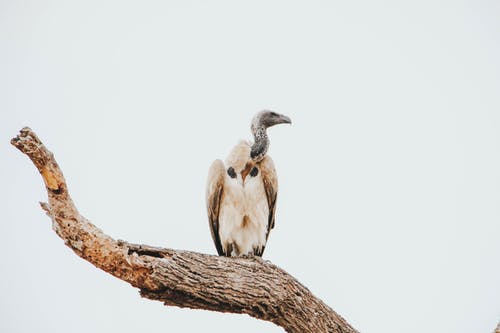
181 278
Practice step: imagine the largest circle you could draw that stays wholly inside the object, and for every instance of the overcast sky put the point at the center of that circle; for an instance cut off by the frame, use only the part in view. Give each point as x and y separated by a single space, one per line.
389 202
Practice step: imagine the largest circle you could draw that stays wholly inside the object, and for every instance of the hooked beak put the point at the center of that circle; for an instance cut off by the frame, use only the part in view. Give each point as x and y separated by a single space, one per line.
284 119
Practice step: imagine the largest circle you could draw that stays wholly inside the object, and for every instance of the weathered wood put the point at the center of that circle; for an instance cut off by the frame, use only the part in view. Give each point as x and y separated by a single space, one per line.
181 278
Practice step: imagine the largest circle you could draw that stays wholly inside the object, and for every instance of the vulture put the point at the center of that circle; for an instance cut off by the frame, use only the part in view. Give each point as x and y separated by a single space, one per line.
241 193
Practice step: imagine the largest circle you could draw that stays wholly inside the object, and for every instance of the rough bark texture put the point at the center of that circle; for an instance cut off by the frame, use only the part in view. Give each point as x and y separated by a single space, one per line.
182 278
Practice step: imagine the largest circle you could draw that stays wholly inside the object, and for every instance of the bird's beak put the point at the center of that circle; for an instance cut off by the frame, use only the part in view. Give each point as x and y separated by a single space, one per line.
284 119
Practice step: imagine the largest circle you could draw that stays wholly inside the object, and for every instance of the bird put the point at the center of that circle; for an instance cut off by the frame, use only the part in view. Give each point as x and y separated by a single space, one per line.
241 193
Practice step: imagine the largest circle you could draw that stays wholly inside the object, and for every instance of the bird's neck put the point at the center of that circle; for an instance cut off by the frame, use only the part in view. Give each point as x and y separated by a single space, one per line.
261 143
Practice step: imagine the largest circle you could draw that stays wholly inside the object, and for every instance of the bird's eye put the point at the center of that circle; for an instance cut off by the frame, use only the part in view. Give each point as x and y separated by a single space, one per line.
231 172
254 172
274 114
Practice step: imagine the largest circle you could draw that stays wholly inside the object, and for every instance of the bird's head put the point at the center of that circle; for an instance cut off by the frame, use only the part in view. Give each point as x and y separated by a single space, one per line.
267 118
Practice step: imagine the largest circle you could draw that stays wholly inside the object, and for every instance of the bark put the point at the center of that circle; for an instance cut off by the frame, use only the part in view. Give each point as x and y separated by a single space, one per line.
181 278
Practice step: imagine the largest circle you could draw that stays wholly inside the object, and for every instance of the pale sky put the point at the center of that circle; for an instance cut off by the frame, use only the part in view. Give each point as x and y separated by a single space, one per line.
389 202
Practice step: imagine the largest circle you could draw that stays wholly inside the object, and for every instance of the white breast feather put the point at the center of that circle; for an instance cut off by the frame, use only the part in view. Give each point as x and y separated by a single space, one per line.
238 201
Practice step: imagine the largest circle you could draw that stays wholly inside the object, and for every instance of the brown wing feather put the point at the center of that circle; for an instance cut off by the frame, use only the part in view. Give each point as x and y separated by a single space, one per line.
214 193
270 180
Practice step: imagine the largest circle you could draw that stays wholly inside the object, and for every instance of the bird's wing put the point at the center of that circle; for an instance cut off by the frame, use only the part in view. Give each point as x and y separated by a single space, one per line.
215 187
270 180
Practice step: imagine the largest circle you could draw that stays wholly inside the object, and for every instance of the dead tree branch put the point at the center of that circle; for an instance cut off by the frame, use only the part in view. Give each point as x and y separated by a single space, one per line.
181 278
